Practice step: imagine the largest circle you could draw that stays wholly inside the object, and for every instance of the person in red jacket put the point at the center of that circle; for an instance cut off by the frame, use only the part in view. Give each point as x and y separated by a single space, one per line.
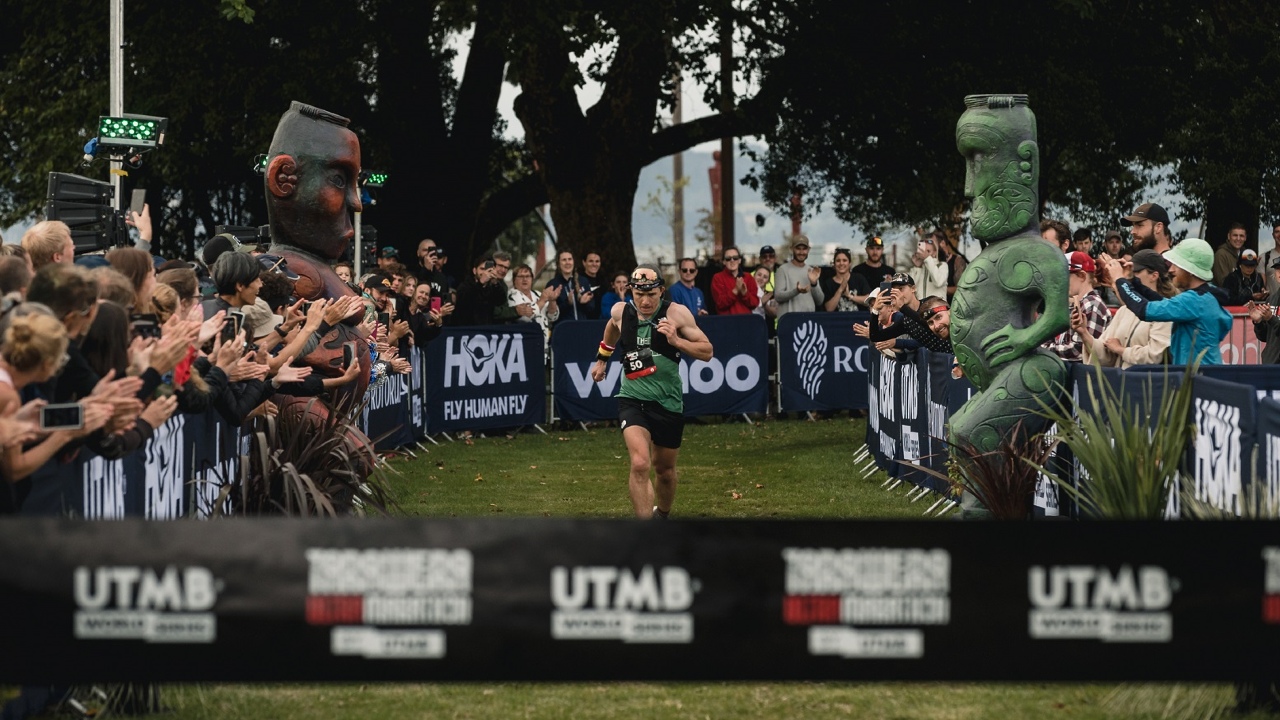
733 291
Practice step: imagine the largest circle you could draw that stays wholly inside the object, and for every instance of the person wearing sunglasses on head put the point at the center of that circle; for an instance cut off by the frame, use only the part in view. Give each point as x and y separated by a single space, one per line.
734 291
684 292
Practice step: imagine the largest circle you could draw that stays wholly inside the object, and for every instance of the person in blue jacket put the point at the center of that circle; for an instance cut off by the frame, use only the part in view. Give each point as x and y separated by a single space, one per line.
1199 320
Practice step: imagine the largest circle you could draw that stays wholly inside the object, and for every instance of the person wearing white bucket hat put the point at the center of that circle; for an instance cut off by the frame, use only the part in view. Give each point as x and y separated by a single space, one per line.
1199 320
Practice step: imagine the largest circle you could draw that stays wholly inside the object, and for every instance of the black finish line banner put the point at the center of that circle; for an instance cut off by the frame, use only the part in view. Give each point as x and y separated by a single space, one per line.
425 600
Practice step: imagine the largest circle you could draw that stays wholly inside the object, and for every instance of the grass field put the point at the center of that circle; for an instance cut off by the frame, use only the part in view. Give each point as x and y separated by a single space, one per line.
784 469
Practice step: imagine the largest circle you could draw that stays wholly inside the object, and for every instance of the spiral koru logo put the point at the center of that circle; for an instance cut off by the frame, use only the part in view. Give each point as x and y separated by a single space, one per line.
810 345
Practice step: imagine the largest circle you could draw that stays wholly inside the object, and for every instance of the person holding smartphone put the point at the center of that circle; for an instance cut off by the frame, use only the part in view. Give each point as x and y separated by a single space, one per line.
733 291
480 295
1088 313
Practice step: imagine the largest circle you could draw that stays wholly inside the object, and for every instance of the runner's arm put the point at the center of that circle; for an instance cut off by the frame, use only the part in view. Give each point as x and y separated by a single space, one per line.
687 337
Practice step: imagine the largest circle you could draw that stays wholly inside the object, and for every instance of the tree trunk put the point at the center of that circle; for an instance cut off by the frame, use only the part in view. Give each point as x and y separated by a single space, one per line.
595 216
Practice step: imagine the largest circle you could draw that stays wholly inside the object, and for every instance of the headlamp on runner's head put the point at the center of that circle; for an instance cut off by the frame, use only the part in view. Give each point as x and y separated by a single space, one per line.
644 278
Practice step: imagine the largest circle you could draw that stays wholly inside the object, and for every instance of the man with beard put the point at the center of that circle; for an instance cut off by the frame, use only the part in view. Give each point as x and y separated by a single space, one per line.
1149 227
873 270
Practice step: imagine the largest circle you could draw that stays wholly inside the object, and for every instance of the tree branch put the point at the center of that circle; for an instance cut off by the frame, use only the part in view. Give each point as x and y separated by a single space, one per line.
505 206
736 123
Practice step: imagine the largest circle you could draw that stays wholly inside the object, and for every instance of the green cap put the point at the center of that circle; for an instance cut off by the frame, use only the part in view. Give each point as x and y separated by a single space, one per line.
1193 255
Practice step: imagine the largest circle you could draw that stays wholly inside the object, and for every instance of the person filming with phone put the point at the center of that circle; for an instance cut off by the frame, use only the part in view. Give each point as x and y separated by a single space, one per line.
1089 313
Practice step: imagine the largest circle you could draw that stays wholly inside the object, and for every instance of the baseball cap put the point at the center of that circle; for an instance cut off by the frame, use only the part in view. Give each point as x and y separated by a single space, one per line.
1081 262
1150 260
1248 257
389 252
1275 264
800 242
1114 234
379 281
1193 255
277 264
902 279
221 243
1146 211
768 250
875 242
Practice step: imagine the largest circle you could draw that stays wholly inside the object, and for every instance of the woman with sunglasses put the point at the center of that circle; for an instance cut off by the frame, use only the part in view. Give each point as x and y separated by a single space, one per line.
841 287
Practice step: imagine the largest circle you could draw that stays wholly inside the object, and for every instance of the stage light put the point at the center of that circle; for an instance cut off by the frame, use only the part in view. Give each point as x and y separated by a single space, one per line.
372 179
137 132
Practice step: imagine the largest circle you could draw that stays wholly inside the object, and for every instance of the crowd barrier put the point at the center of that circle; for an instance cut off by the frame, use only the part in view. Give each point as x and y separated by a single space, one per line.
1234 460
534 599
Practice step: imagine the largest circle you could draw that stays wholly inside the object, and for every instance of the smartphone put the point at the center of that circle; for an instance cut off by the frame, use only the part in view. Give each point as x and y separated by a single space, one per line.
348 354
138 199
62 416
144 325
885 287
235 321
306 308
435 304
384 319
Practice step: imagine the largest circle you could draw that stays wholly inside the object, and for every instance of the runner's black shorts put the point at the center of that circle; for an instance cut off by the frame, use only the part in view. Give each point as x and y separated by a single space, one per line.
666 429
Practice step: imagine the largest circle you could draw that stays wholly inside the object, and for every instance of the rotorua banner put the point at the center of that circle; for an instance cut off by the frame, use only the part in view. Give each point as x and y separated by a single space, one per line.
592 600
822 364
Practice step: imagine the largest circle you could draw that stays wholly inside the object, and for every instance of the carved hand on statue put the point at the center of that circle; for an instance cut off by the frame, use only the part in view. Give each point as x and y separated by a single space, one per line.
1007 343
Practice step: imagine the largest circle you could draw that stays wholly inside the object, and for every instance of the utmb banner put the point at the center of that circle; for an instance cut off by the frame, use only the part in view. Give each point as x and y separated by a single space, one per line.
735 380
482 377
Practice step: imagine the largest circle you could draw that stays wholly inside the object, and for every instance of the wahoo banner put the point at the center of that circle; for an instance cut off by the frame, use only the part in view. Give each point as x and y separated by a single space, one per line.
735 380
485 377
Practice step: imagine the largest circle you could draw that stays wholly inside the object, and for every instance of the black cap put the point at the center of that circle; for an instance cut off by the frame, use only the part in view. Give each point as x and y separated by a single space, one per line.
768 250
875 242
902 279
275 263
1147 211
378 281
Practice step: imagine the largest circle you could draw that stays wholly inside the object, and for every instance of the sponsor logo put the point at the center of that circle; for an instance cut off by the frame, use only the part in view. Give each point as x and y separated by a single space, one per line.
888 398
1271 585
741 373
832 590
1218 454
485 407
479 360
141 603
910 444
165 471
910 392
810 346
400 587
104 487
612 603
1083 602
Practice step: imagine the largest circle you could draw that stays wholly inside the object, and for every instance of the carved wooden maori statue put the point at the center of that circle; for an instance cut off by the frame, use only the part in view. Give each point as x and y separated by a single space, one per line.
312 189
1013 295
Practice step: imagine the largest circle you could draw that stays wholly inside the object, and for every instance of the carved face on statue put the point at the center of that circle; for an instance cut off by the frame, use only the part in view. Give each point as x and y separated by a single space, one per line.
996 135
312 181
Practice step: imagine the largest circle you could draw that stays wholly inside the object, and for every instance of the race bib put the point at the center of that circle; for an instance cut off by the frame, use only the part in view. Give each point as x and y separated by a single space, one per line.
638 363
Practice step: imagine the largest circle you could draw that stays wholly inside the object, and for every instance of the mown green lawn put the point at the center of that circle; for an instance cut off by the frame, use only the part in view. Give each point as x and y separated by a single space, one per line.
788 469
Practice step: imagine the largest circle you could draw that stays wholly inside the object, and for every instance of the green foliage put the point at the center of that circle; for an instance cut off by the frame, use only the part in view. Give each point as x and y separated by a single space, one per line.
1002 480
1129 464
307 461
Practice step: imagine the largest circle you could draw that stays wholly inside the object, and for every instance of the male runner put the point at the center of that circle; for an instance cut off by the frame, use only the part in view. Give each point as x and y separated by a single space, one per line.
650 335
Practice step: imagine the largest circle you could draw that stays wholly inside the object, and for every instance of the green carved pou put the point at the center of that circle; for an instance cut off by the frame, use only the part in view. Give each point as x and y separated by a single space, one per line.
995 326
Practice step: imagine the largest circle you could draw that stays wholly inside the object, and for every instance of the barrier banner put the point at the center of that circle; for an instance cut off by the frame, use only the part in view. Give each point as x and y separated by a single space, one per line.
873 412
733 381
215 460
889 429
1265 490
1226 428
913 427
1264 378
485 377
386 413
418 393
434 600
936 371
573 351
822 364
